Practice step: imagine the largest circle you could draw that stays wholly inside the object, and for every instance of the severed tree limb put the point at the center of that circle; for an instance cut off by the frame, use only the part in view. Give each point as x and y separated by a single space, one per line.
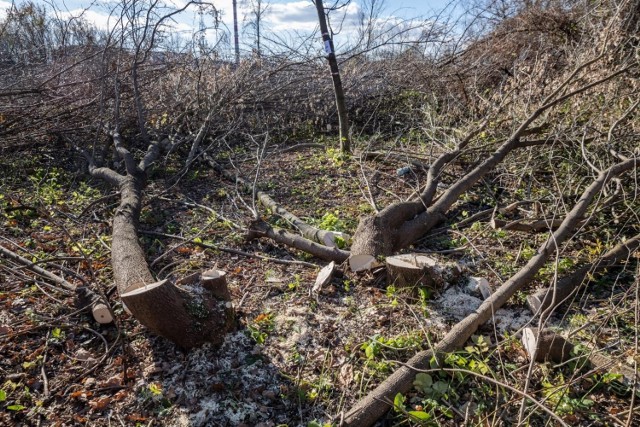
37 269
188 316
85 296
537 226
374 405
327 238
260 228
544 301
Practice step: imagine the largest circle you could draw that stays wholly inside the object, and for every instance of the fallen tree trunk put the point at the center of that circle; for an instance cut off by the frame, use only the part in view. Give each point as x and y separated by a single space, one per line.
188 315
375 404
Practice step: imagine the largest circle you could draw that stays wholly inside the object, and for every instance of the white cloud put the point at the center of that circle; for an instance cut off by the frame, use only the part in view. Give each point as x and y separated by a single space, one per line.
4 5
100 19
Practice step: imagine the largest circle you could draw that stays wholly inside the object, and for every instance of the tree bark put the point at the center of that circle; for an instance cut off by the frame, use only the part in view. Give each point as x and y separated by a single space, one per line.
400 224
262 229
544 301
345 140
189 315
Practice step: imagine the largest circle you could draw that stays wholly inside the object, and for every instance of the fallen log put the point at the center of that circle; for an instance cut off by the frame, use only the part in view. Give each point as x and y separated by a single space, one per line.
260 228
324 237
189 314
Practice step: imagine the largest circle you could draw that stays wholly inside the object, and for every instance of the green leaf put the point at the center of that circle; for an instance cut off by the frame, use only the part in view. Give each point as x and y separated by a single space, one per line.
440 387
423 382
16 407
398 402
420 415
3 395
28 365
155 389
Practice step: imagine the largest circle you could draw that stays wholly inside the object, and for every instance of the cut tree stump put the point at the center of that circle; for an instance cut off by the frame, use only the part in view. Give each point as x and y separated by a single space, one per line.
546 345
196 312
550 346
417 270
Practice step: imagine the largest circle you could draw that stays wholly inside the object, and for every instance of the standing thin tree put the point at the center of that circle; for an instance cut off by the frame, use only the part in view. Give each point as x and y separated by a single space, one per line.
236 42
258 10
343 120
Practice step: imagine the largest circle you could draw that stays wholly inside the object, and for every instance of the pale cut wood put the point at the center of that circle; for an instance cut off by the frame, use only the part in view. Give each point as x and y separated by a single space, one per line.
102 314
324 277
358 263
481 285
546 345
417 270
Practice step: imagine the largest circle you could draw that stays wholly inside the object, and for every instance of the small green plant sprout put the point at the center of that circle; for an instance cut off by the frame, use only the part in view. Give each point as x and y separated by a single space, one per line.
417 415
425 384
480 345
155 389
559 396
260 328
295 284
391 294
371 348
337 156
398 403
57 335
316 423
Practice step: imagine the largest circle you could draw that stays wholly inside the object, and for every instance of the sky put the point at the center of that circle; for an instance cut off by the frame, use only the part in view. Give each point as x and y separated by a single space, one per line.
281 17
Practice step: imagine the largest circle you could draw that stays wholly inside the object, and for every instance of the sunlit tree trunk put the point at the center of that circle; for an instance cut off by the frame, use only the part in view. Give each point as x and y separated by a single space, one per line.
345 142
236 40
